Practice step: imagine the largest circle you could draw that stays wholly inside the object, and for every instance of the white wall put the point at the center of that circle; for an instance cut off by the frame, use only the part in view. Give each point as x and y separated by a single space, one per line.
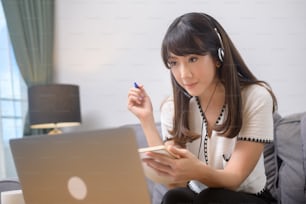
106 45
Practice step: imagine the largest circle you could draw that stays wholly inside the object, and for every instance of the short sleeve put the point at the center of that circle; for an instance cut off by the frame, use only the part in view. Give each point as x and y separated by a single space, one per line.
257 124
167 112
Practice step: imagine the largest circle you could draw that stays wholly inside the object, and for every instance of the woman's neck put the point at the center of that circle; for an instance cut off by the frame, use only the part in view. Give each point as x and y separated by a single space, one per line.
214 95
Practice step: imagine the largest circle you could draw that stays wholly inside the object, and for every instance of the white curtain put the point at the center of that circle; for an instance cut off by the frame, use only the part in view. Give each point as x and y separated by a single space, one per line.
13 100
2 164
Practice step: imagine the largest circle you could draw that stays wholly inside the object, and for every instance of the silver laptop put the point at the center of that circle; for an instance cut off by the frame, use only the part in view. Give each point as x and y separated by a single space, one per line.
96 167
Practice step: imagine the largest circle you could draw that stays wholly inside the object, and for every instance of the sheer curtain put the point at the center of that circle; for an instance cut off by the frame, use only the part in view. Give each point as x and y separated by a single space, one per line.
30 26
12 100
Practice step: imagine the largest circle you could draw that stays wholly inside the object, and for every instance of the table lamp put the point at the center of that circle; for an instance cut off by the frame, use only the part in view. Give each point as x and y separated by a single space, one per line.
54 106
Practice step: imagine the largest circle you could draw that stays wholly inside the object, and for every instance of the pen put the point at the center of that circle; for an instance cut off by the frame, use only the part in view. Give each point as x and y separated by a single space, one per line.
136 85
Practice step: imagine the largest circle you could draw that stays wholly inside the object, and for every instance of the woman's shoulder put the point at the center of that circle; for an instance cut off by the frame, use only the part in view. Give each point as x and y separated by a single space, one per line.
256 92
255 89
257 107
256 96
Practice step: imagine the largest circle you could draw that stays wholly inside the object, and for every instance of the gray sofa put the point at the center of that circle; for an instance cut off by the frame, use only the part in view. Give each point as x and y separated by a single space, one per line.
156 190
9 185
285 160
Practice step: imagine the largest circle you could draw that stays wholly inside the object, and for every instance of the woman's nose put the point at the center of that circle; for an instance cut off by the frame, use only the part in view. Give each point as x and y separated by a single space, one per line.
185 72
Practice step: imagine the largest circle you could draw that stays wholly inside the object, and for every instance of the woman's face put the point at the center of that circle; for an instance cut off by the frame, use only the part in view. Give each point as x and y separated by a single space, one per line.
195 73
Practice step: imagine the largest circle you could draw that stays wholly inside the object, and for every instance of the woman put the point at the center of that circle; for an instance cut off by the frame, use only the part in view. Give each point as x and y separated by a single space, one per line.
216 122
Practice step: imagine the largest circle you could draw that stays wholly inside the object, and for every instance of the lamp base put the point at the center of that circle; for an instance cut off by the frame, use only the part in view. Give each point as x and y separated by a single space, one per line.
55 131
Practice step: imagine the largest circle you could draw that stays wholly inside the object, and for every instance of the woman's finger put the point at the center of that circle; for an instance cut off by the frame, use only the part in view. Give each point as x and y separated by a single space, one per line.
178 152
159 167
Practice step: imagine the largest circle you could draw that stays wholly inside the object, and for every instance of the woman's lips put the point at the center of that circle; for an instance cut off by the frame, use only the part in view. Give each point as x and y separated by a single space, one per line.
189 85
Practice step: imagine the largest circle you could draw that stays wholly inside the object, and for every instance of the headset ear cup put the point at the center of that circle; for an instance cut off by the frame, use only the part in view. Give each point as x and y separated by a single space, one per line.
220 54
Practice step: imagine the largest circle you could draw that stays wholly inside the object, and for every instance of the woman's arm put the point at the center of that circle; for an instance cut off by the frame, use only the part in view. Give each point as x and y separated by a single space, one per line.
139 103
151 132
188 167
242 162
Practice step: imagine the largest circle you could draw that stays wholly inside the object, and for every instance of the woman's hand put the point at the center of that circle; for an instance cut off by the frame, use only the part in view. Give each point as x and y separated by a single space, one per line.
180 169
139 103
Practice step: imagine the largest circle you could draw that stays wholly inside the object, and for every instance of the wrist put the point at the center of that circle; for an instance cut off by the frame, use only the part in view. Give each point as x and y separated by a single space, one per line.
147 120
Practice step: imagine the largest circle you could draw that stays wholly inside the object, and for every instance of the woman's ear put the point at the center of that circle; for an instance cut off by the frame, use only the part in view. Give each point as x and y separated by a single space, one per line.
218 63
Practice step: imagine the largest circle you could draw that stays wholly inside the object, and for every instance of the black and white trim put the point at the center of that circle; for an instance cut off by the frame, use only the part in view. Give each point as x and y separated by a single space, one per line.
254 140
204 122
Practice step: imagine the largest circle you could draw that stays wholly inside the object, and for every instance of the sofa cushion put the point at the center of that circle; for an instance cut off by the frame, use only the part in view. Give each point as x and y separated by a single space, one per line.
159 191
270 160
140 136
9 184
289 150
303 134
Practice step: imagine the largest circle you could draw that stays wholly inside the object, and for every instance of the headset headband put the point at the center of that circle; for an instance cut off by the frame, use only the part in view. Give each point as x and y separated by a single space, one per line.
220 49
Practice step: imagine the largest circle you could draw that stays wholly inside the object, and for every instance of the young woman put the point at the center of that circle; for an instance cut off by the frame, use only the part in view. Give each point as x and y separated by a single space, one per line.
216 122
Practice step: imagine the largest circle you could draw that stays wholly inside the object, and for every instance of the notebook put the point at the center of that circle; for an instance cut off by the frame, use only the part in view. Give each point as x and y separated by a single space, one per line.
91 167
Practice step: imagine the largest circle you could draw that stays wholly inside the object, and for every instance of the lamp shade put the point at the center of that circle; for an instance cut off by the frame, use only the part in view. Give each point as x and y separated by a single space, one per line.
54 105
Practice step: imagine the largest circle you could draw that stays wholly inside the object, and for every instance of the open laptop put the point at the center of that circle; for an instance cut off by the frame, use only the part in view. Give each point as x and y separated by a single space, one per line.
94 167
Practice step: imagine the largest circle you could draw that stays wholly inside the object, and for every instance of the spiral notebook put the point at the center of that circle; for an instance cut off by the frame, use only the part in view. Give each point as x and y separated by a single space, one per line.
85 167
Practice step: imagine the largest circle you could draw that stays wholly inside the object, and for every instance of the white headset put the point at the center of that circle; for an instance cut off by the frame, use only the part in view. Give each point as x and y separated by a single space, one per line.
220 49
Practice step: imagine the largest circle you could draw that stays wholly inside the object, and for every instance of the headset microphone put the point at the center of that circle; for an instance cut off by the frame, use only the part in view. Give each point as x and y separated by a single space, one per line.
185 93
181 89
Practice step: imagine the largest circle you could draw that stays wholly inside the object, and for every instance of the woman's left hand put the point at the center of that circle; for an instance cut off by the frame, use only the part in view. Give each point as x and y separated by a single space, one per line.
181 169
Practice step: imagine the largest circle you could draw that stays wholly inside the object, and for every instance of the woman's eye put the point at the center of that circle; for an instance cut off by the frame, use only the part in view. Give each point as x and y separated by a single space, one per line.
193 59
171 63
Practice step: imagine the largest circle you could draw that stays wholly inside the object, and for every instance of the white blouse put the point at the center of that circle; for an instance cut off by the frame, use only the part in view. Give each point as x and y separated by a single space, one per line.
215 151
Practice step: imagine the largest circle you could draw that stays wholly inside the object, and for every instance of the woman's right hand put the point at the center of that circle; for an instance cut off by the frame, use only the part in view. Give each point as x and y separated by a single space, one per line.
139 103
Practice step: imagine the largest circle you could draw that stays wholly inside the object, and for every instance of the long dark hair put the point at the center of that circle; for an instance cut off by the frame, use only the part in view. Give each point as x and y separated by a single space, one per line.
197 33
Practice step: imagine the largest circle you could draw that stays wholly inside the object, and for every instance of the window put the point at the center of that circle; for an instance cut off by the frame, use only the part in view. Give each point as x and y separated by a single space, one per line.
13 100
